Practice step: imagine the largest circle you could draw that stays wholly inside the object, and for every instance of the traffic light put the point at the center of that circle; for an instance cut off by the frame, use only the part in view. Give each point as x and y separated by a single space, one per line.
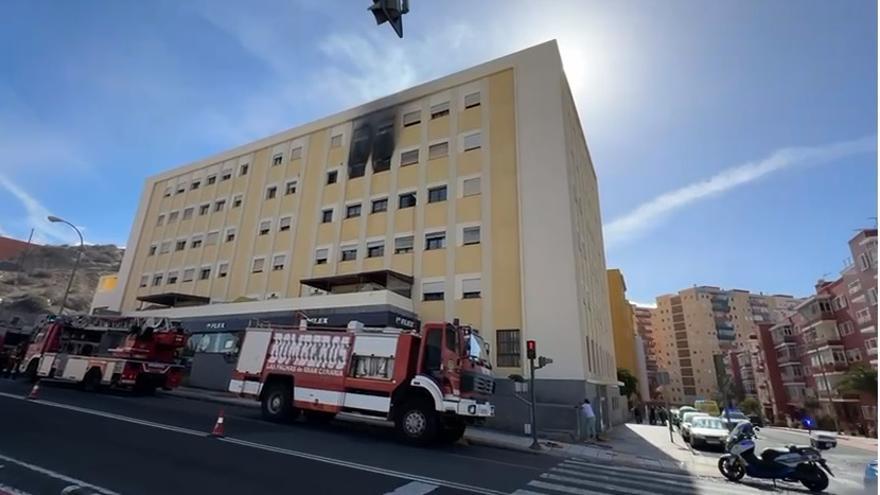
390 11
531 349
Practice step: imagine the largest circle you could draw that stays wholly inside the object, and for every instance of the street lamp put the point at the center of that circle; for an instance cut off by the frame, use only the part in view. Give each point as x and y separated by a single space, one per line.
54 219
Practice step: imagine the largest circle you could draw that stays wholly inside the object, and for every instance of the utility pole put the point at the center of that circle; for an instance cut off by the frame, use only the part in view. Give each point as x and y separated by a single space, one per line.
827 386
532 354
54 219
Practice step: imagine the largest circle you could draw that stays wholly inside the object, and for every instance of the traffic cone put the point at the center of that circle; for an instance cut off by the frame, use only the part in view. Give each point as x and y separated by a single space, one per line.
218 426
35 392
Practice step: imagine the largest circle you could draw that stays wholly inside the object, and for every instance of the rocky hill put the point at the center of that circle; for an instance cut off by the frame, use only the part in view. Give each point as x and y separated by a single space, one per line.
33 284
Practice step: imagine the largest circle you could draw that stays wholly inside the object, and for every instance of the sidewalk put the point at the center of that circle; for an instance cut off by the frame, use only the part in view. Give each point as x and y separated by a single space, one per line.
636 445
854 441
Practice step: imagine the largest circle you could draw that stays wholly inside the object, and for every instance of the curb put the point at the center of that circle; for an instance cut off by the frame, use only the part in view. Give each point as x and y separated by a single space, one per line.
208 398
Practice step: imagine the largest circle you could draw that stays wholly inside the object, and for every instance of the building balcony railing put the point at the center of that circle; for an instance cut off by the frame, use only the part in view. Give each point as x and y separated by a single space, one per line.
829 368
786 357
792 378
872 351
783 339
836 394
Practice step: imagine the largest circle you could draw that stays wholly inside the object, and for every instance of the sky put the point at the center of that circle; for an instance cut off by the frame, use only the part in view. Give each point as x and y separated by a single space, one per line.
735 143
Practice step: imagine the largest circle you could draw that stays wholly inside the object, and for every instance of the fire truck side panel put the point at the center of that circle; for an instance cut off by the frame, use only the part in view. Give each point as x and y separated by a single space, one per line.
75 369
47 360
254 351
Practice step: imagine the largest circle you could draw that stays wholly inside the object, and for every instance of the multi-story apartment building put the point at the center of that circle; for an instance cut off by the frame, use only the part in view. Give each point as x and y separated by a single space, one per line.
644 327
471 197
830 332
622 320
700 323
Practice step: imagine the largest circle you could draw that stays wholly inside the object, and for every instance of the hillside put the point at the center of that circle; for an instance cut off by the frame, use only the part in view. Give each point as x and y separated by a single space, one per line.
35 284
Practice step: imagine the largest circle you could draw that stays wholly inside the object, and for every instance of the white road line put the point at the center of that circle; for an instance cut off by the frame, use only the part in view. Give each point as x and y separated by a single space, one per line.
56 475
562 488
609 467
649 479
523 491
413 488
673 485
600 485
269 448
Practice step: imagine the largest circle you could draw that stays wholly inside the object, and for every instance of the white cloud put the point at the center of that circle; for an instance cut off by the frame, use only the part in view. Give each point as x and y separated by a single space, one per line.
35 215
647 215
651 305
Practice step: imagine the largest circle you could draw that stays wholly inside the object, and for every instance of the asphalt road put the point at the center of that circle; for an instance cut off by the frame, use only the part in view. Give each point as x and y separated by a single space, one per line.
114 443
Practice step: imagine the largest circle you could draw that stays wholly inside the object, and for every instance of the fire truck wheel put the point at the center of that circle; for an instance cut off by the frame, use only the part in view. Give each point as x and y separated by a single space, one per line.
452 431
417 423
31 373
92 381
277 404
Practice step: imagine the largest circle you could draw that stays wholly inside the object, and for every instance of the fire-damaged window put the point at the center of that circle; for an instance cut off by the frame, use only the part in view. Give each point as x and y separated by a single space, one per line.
359 151
383 146
373 141
509 348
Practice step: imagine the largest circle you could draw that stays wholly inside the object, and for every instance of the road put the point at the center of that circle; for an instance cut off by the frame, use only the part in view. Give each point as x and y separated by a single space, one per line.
114 443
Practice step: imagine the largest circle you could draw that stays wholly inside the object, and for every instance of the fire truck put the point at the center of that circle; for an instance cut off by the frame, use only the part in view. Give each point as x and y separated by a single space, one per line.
141 354
431 384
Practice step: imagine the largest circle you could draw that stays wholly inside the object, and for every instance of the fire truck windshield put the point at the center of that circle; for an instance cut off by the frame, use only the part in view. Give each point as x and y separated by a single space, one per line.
478 350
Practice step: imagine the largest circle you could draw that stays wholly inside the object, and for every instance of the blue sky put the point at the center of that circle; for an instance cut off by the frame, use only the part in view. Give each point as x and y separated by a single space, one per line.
735 142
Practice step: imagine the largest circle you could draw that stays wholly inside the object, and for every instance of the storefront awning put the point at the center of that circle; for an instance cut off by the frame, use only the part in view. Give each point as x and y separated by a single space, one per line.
174 299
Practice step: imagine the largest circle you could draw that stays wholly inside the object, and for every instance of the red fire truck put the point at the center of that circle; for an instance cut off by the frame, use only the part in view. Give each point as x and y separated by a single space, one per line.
138 353
431 384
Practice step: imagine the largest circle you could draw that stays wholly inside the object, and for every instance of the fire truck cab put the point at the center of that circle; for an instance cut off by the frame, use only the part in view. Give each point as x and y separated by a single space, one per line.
431 384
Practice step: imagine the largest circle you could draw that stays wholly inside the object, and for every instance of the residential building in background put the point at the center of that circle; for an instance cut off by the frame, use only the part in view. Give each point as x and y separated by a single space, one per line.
470 197
695 325
643 323
622 320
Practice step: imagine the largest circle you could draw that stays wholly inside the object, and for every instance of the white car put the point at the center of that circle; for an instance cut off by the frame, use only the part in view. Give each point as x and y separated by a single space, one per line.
686 421
707 431
823 440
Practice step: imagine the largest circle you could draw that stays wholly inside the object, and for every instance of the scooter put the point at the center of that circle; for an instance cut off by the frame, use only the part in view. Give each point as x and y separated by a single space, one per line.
794 463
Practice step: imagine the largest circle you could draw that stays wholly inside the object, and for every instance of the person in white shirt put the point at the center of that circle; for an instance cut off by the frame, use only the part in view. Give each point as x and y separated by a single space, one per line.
588 418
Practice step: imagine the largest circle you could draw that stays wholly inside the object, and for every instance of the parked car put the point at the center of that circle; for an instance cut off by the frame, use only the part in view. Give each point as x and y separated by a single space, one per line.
732 418
823 440
686 421
706 431
676 421
871 477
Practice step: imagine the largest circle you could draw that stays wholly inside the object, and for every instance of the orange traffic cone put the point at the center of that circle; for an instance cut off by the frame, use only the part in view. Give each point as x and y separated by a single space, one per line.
218 426
35 392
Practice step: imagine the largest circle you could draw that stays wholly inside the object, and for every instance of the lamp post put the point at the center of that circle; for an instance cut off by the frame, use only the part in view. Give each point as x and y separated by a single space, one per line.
54 219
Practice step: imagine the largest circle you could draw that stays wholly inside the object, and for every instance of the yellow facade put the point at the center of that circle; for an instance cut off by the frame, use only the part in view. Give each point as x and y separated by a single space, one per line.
622 322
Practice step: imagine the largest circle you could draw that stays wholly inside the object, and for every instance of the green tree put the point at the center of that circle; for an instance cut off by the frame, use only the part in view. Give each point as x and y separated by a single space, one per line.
750 406
630 383
860 378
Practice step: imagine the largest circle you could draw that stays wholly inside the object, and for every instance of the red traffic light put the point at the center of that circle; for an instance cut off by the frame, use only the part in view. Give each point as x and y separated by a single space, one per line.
531 349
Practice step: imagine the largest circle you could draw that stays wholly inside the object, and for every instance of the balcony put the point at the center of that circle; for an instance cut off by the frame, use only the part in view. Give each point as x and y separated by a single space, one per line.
829 368
821 333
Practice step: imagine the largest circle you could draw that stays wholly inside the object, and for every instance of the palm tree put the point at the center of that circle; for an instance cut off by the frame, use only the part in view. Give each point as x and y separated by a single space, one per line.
860 378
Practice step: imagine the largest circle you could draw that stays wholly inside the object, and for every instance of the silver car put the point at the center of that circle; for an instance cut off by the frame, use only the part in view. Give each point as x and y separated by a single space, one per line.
686 421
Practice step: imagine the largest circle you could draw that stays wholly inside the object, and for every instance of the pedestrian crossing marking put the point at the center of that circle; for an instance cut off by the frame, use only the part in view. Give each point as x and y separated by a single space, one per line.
413 488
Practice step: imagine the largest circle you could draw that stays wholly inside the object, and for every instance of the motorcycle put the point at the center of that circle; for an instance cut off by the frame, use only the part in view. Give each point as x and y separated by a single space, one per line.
793 463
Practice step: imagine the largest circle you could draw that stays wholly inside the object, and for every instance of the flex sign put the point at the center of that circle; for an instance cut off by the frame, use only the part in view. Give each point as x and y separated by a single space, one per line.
313 353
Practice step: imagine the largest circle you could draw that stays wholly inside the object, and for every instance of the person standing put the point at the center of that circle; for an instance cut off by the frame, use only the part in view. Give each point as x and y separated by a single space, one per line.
652 416
588 418
637 414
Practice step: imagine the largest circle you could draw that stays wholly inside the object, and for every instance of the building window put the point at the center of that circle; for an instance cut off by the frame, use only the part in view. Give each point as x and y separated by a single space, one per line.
332 176
172 217
204 209
470 187
348 253
167 192
160 220
438 150
257 265
211 238
152 250
180 245
336 141
327 215
276 160
838 302
375 249
845 328
379 205
437 194
439 110
230 234
205 273
296 153
853 286
356 170
470 235
157 280
854 355
352 211
284 223
278 262
145 279
243 169
219 205
407 200
189 274
222 270
433 291
226 175
194 185
381 164
188 213
181 189
472 100
871 345
435 240
509 348
410 157
321 256
212 179
864 261
165 247
872 296
271 191
290 187
863 315
472 141
403 245
412 118
470 288
236 200
265 227
196 241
